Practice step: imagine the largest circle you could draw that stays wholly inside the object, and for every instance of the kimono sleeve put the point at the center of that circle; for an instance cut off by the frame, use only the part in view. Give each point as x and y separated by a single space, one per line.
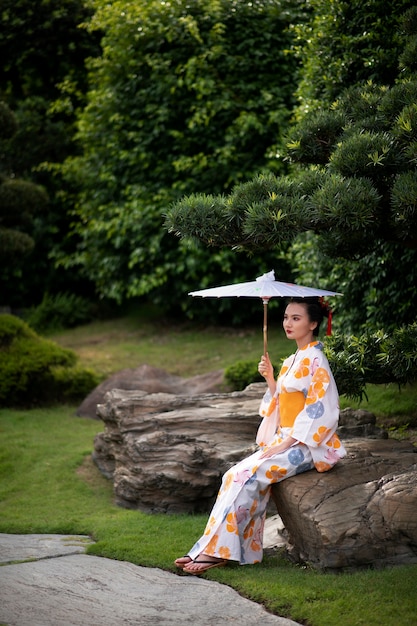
269 410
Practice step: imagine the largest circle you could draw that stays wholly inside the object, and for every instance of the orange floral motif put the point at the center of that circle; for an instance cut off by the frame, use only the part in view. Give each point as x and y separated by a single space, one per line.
322 466
255 546
231 523
321 375
249 529
228 481
303 369
210 525
309 345
272 406
284 369
224 552
321 434
318 386
334 442
275 473
253 507
211 546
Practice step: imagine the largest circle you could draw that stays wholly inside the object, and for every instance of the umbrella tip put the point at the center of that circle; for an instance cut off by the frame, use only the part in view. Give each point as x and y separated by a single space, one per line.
268 276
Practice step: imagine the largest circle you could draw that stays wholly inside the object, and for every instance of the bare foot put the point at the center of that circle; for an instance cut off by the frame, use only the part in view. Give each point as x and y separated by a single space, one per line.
202 563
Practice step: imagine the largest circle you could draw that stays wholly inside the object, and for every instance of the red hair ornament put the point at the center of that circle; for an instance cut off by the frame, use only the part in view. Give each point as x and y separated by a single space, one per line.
326 307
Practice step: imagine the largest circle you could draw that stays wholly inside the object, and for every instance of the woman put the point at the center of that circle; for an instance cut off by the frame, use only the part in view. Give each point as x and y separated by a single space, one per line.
298 432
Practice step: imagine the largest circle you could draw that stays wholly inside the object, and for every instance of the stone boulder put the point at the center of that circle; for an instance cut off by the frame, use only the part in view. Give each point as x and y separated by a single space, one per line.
359 423
167 452
360 514
152 380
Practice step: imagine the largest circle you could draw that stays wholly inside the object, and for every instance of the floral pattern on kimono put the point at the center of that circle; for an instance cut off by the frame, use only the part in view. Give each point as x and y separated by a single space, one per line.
307 395
309 407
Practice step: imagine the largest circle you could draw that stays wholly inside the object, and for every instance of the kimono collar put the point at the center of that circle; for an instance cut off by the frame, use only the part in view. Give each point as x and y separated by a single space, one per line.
309 345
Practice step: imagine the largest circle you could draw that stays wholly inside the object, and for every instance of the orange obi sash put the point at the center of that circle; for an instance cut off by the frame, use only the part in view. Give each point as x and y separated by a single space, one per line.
291 403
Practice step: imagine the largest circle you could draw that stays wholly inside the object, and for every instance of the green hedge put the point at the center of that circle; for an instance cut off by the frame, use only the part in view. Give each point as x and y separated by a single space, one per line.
34 370
241 374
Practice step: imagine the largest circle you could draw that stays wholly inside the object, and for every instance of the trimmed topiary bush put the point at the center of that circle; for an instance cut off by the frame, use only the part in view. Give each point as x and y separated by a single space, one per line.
34 370
71 384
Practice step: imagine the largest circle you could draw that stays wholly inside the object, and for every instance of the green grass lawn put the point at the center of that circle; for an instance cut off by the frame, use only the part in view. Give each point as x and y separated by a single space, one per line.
180 347
49 483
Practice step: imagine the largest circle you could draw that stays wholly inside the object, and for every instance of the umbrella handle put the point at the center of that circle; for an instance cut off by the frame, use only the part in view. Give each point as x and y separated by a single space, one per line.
265 327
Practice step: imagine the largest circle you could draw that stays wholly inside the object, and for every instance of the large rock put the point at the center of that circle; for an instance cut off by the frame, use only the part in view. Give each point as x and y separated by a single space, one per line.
152 380
360 514
167 453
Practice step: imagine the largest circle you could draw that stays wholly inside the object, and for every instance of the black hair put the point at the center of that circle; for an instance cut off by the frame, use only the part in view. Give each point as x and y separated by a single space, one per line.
316 310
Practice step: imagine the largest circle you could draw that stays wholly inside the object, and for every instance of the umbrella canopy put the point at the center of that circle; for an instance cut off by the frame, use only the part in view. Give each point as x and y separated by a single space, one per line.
264 287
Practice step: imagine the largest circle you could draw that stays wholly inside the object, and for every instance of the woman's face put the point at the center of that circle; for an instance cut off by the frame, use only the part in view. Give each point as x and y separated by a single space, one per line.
297 324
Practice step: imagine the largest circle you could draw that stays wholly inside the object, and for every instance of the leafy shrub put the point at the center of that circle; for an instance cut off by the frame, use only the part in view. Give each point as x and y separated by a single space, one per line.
241 374
63 310
34 370
72 384
374 357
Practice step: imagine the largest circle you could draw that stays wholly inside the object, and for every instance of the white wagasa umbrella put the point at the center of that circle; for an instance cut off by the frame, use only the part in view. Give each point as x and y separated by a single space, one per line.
264 287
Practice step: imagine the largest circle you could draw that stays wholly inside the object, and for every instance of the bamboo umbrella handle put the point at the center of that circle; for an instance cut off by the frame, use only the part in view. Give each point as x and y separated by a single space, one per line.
265 328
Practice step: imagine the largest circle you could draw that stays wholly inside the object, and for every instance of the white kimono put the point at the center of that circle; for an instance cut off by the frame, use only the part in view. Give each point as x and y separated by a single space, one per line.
305 407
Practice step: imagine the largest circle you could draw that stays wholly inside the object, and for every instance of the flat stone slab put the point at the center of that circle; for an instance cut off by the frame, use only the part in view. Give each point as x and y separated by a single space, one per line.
77 589
32 547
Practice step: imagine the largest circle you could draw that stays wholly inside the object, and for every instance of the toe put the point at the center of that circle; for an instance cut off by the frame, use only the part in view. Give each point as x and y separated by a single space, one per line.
182 561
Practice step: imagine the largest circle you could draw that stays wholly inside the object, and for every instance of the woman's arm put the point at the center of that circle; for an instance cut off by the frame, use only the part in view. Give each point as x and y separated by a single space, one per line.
282 447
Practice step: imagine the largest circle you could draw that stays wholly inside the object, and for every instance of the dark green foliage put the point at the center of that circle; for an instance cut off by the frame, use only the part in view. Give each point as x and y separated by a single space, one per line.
8 123
356 202
20 202
261 214
241 374
399 354
208 213
43 80
404 202
408 58
35 371
352 184
366 154
21 205
351 224
63 310
378 289
346 43
186 98
374 358
14 245
314 137
41 45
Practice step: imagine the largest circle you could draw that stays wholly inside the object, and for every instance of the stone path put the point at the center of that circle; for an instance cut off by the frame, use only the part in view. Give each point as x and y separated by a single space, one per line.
48 580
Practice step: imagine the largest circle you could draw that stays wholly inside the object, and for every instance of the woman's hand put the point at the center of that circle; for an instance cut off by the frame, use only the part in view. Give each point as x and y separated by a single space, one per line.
282 447
265 367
